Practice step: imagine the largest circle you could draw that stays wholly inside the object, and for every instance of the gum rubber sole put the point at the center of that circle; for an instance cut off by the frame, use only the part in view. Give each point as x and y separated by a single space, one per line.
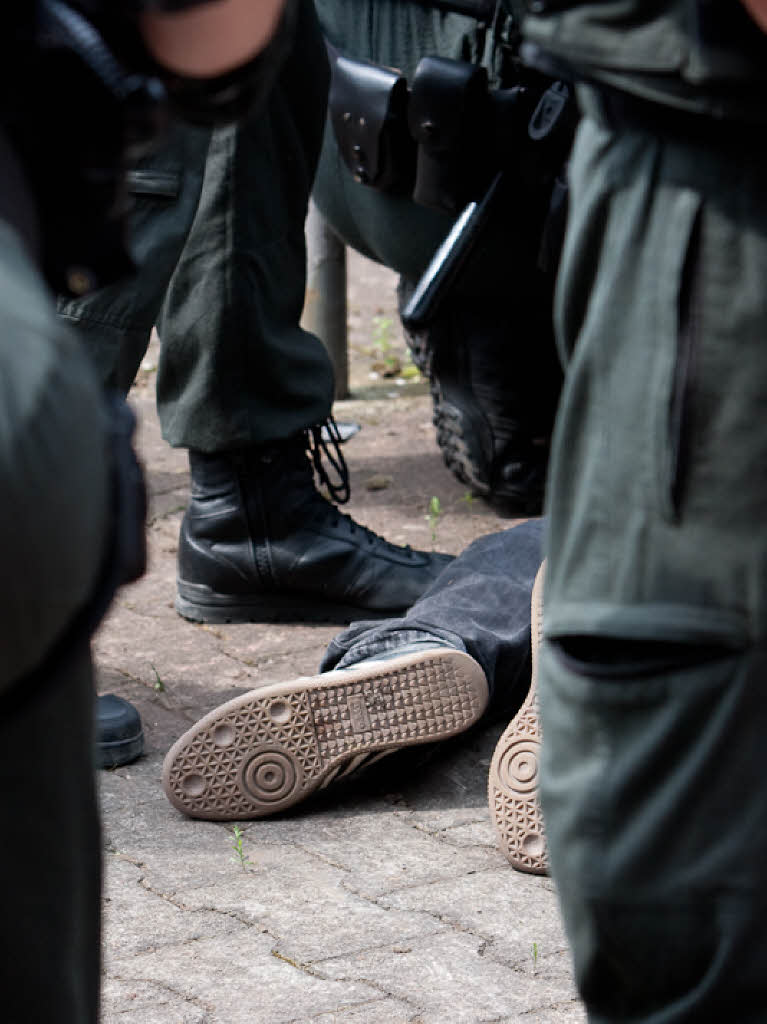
271 748
513 781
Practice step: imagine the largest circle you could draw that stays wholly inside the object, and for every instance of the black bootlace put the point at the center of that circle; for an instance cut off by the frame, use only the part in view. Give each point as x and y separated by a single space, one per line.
339 491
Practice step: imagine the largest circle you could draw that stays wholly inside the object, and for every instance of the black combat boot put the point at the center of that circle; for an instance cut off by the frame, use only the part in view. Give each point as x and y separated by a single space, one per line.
259 544
495 380
119 733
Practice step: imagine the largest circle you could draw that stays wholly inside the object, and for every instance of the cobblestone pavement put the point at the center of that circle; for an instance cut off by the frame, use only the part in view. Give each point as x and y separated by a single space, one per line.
382 902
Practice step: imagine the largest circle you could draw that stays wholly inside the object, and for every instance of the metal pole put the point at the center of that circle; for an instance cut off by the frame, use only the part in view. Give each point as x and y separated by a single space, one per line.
325 302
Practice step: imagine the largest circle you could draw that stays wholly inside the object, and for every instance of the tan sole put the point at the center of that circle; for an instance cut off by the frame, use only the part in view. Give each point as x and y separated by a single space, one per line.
269 749
513 781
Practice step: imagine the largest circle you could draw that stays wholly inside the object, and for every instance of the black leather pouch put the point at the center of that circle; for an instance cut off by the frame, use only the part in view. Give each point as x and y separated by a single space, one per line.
368 110
449 117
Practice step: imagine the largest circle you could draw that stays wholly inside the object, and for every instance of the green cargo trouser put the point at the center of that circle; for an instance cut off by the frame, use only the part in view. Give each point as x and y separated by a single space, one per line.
235 368
54 526
654 664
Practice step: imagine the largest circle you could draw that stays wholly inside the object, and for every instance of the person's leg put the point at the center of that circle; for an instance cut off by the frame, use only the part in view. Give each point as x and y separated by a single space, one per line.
114 323
654 654
243 386
462 652
236 370
50 936
489 353
479 604
273 747
55 523
514 779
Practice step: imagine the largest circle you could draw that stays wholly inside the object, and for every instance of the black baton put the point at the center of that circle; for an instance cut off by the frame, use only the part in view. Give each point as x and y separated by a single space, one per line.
450 260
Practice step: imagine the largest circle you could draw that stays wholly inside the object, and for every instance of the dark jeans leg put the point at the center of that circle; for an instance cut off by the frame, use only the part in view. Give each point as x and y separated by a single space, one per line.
479 604
235 367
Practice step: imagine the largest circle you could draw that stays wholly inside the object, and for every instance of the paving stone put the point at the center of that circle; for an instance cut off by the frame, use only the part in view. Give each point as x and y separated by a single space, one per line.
567 1011
450 790
510 909
146 646
514 913
384 853
138 1002
446 976
306 906
140 920
128 788
381 1011
242 979
474 833
173 852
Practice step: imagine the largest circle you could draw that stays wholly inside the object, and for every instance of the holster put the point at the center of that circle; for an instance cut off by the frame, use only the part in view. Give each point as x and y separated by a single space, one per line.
368 110
449 117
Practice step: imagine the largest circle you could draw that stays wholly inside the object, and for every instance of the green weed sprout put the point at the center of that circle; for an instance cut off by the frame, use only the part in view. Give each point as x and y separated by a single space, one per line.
433 518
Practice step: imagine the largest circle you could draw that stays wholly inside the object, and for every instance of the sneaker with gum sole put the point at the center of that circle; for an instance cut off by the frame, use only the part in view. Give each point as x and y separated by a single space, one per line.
513 781
271 748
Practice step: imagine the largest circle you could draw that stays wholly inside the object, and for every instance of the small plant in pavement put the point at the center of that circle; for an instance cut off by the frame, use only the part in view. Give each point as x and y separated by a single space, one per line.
382 338
158 685
388 362
240 857
433 518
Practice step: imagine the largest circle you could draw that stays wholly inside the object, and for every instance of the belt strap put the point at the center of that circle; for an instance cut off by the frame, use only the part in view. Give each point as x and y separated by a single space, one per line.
482 10
624 111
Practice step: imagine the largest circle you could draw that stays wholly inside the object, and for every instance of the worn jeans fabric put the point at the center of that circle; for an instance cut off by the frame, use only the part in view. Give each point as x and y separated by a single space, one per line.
54 533
654 659
235 368
479 604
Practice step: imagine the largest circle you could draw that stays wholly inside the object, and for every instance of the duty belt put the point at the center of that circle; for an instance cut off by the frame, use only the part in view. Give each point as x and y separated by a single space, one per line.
482 10
626 112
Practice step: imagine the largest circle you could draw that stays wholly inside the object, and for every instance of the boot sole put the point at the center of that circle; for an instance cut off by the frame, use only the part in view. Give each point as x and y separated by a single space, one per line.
513 781
458 438
271 748
463 434
198 603
459 430
116 753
